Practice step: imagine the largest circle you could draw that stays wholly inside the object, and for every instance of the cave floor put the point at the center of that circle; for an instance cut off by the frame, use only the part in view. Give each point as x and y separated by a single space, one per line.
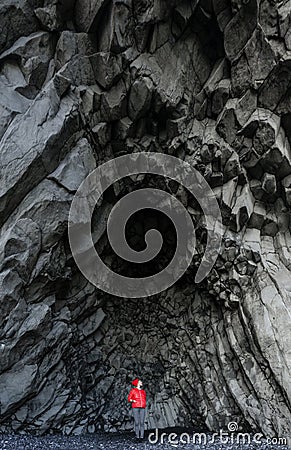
125 441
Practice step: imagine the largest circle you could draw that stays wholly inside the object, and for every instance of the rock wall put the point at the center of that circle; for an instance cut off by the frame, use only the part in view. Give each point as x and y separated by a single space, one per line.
83 82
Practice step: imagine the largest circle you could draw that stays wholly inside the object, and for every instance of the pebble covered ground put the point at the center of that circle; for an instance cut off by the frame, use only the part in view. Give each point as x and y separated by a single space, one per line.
127 441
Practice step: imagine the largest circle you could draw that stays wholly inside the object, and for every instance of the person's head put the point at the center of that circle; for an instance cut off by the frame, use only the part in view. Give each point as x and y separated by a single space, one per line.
137 383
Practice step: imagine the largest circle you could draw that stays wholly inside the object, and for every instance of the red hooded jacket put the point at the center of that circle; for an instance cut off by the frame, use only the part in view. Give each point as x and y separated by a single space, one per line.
139 395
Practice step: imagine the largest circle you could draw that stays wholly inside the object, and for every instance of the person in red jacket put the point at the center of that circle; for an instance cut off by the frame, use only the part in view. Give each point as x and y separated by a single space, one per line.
137 398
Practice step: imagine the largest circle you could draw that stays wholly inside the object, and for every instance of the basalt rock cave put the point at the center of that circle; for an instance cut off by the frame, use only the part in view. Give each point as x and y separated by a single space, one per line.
85 81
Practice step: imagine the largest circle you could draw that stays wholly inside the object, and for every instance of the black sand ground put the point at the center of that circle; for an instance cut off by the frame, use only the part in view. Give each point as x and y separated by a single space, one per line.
126 441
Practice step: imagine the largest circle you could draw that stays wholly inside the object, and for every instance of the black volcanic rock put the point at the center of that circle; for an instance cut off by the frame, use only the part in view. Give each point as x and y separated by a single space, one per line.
82 82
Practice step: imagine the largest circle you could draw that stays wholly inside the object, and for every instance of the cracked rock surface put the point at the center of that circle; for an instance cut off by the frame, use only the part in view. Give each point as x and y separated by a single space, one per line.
85 81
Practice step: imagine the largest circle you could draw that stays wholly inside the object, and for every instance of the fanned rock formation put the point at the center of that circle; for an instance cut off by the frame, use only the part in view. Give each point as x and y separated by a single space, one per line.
83 82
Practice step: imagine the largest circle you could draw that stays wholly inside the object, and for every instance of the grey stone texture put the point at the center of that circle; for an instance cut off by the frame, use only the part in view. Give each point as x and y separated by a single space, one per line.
82 82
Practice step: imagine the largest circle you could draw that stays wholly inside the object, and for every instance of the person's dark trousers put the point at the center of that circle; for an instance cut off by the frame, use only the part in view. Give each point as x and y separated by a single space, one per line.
138 415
